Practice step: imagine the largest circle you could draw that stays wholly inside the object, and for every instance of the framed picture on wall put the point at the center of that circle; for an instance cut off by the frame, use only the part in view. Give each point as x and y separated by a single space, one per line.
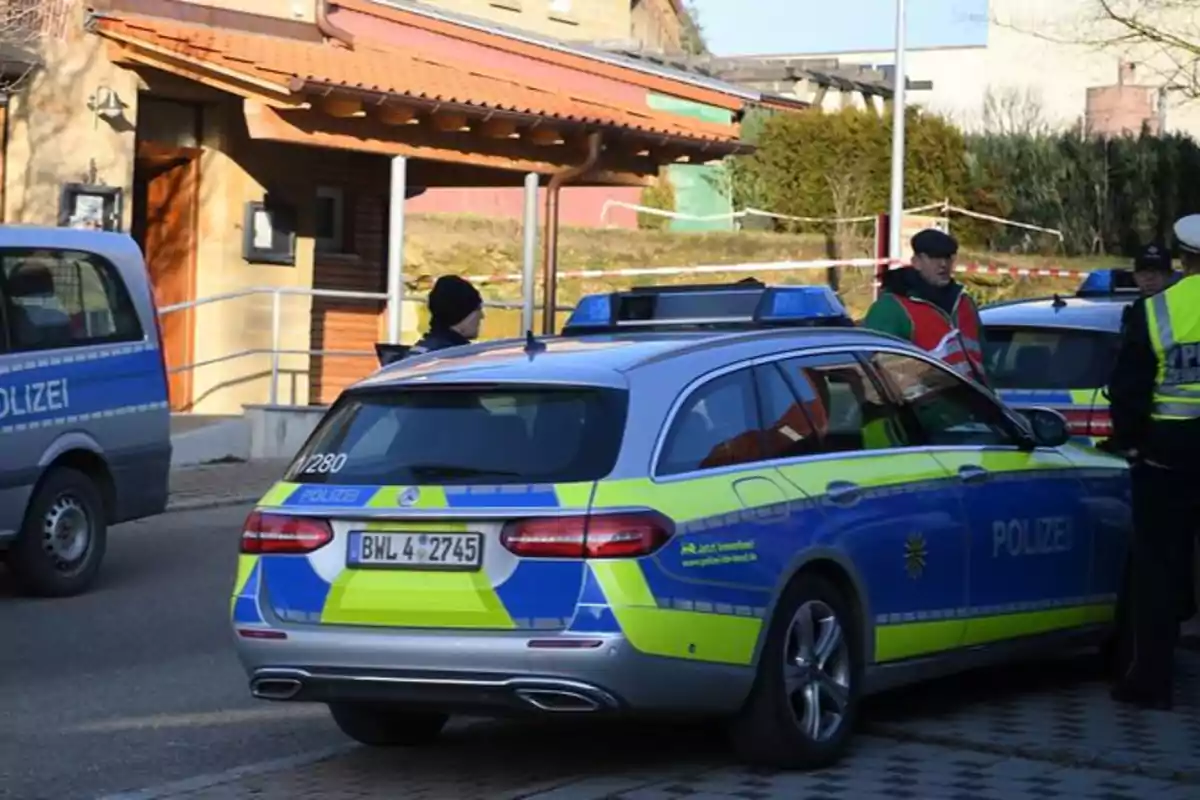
269 233
89 206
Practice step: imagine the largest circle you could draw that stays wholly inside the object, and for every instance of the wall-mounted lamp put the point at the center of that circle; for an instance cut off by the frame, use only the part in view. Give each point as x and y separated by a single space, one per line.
105 103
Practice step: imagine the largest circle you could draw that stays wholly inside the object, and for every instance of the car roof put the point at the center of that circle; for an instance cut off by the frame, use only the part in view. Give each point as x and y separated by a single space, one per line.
119 248
1099 313
602 360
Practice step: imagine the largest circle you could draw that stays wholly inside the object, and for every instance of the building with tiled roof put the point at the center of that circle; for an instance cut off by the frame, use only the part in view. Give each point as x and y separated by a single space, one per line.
256 151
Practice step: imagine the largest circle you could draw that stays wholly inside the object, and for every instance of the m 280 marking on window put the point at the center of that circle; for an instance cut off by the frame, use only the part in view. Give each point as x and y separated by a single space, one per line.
324 464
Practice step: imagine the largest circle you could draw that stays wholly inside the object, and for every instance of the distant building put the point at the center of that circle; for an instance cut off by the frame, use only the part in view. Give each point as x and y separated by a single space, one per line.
1031 70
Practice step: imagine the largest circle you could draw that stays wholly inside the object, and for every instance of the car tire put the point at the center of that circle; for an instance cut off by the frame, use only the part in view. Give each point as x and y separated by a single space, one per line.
61 543
381 726
803 706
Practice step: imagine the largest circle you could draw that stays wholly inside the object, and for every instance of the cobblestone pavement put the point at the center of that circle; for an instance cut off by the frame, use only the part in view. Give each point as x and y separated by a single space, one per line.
1036 731
218 484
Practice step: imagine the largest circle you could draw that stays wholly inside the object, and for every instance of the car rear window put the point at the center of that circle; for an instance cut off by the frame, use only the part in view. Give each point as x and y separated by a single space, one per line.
1049 358
462 436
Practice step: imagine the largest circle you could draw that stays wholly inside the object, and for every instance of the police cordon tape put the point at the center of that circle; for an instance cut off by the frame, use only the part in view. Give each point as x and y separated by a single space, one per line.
782 266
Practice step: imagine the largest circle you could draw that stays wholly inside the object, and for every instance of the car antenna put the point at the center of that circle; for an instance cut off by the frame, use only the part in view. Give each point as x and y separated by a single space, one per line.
532 345
1058 302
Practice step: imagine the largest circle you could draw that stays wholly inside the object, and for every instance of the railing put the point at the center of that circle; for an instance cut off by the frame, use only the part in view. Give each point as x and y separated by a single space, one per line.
276 351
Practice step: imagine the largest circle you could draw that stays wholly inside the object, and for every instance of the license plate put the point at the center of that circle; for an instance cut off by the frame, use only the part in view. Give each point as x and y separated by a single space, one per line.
445 551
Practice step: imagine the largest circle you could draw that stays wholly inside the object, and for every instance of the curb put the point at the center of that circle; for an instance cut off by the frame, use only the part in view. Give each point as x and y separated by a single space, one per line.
204 503
1062 756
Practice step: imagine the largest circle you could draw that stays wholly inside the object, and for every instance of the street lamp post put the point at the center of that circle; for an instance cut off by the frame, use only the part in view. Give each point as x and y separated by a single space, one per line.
896 211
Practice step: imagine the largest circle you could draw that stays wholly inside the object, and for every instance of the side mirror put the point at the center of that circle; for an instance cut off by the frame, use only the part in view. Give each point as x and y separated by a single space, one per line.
1048 427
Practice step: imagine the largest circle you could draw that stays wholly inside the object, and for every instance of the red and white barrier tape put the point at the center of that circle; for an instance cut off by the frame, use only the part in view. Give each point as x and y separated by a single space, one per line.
778 266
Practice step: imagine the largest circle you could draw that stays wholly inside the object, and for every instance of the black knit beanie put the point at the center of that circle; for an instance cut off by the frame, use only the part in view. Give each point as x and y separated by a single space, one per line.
451 301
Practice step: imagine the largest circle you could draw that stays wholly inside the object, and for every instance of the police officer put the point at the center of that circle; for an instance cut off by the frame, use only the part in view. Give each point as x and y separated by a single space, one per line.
925 305
1155 394
1152 270
455 314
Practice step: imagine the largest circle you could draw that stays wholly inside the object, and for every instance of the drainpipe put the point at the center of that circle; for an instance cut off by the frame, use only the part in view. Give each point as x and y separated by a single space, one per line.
550 252
328 29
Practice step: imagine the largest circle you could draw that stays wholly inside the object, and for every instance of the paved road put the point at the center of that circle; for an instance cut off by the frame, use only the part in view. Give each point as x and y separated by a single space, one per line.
135 683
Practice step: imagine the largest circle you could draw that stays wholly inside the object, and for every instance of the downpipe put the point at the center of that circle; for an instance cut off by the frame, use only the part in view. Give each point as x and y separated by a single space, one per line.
550 245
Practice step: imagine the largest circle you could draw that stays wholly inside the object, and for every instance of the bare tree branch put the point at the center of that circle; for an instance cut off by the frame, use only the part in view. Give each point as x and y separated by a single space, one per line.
25 26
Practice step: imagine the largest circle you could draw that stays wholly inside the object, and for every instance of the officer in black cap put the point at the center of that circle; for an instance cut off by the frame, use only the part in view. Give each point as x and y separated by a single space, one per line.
1155 395
455 314
925 305
1152 269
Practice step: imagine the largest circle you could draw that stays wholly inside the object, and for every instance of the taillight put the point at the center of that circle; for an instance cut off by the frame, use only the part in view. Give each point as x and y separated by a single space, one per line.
594 536
276 533
1089 422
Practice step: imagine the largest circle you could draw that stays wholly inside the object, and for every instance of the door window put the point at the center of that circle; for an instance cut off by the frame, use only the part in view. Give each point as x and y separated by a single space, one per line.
847 409
946 410
789 427
63 298
717 426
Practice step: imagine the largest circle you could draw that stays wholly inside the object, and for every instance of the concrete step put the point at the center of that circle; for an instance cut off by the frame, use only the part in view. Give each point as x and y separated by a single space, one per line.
206 439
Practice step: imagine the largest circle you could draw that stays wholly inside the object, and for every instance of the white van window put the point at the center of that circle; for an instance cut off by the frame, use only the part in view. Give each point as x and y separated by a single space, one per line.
64 298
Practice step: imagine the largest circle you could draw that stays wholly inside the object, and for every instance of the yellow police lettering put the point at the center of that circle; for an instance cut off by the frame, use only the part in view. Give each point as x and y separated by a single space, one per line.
1031 537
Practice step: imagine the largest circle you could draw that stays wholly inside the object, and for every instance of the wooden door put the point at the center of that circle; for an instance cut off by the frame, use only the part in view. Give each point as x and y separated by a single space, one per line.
166 208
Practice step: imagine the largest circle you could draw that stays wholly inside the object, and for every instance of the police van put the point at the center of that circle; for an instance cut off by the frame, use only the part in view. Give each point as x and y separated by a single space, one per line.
84 415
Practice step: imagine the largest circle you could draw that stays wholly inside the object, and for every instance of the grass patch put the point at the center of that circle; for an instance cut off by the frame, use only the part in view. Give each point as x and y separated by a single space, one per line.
476 246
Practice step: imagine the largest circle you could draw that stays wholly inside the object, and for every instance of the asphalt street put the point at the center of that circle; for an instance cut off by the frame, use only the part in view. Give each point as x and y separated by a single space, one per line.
135 683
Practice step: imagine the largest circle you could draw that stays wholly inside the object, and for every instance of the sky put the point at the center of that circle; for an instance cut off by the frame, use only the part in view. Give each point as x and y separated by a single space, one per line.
828 26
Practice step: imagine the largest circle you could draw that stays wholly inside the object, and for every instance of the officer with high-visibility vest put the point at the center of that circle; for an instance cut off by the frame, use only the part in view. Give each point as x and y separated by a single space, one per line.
1155 395
925 305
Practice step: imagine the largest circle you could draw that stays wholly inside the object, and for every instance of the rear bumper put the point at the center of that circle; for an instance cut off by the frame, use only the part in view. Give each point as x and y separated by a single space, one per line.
494 674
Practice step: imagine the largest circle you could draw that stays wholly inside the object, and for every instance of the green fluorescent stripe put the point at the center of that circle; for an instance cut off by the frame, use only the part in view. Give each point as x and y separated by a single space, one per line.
907 640
278 494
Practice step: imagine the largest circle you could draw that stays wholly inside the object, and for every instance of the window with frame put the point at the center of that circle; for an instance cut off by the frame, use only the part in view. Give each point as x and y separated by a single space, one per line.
330 221
788 427
717 426
946 410
847 409
64 298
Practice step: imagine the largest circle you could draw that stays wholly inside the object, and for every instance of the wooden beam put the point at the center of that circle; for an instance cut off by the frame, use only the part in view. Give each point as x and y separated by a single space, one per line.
341 107
449 122
417 141
395 115
543 137
129 57
497 129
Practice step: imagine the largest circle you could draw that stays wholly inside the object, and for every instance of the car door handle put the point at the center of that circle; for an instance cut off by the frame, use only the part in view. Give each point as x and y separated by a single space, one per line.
972 473
843 492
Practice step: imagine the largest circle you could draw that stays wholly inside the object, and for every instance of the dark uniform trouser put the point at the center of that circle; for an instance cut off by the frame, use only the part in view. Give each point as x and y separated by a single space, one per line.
1166 520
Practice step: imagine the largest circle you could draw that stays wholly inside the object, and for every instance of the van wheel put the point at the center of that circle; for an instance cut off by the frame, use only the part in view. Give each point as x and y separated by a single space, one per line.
61 544
381 726
803 707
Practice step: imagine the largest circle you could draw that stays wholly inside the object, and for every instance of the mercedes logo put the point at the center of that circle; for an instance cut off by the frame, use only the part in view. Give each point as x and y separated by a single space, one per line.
409 496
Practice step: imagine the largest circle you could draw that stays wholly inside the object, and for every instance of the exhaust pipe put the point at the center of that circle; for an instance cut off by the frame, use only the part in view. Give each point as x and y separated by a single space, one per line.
275 688
558 700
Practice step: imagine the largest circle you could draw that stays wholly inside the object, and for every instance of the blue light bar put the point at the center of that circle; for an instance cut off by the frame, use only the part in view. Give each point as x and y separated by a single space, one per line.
793 303
1107 282
593 311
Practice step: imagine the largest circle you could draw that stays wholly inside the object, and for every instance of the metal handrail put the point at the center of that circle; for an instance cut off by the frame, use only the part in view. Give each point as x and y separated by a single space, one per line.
276 351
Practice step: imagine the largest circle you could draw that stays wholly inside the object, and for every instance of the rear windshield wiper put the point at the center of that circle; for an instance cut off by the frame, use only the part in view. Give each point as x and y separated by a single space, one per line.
457 471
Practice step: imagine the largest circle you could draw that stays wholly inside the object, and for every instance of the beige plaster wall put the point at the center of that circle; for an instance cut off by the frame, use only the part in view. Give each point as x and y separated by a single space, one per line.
53 138
580 20
231 326
300 10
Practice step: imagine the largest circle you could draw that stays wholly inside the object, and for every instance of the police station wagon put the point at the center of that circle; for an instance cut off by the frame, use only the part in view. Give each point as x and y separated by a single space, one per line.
84 422
763 526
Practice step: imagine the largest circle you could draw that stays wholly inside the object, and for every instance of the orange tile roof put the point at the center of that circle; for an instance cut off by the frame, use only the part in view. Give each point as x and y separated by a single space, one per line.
385 70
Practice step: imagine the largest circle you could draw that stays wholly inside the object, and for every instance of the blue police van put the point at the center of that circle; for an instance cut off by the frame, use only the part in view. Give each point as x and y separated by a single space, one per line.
84 414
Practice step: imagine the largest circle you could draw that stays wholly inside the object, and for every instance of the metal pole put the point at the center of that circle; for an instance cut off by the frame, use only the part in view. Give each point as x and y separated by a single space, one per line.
896 213
395 258
529 263
276 336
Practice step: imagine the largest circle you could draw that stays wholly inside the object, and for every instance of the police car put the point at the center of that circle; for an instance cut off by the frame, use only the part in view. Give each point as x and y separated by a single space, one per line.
85 438
1058 352
724 503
